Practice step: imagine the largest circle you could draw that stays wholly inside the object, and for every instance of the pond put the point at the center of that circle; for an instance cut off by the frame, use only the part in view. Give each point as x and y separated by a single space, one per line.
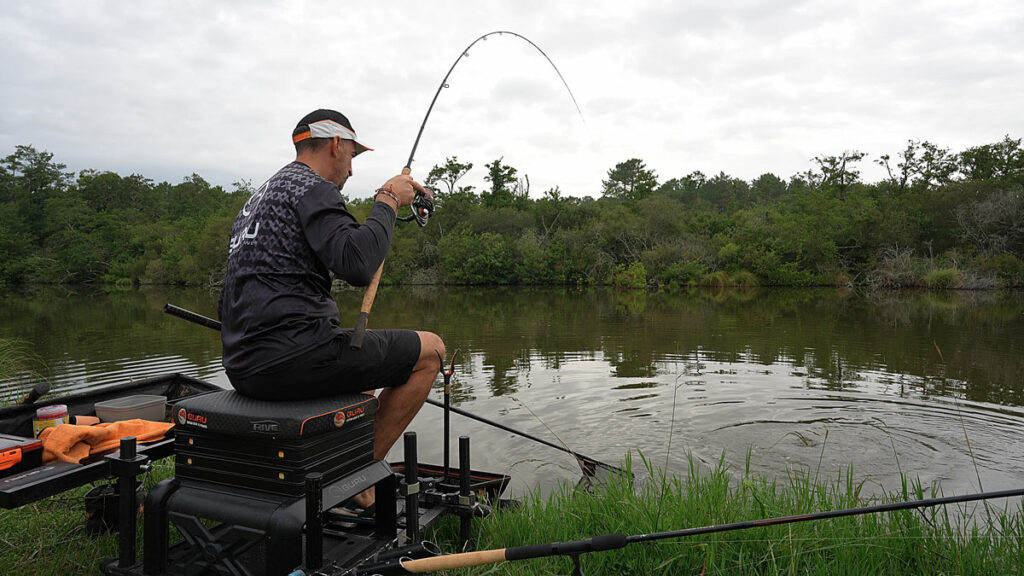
812 380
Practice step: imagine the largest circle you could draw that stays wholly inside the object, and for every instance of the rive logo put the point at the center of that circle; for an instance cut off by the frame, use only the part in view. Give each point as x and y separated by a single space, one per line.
266 427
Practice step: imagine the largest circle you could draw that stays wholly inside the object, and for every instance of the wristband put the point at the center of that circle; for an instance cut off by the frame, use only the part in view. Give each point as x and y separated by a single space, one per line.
390 194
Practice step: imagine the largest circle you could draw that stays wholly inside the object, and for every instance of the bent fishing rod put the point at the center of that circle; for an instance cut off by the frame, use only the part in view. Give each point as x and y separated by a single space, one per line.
615 541
423 205
587 464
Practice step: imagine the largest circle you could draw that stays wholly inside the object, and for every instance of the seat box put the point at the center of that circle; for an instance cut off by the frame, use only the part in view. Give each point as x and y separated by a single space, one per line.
276 467
232 440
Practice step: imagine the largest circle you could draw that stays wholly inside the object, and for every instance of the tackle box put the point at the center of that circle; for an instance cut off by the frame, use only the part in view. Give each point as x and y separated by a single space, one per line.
18 453
141 406
232 440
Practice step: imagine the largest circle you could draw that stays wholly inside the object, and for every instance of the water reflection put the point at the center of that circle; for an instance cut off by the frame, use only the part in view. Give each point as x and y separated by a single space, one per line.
801 378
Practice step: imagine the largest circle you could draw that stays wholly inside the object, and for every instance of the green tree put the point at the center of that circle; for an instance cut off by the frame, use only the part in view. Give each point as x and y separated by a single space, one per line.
768 187
503 179
1003 160
839 172
449 174
629 180
29 178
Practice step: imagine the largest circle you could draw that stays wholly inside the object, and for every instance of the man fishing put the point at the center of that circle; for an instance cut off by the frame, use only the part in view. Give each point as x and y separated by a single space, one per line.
280 328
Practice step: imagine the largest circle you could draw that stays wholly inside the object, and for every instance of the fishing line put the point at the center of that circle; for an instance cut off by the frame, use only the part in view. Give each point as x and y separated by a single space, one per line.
579 461
423 204
465 54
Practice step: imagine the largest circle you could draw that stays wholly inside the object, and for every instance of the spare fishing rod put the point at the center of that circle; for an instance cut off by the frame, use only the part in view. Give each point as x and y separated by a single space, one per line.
615 541
589 465
423 204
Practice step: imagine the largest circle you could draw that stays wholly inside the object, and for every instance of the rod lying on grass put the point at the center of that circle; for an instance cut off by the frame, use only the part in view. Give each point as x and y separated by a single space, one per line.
615 541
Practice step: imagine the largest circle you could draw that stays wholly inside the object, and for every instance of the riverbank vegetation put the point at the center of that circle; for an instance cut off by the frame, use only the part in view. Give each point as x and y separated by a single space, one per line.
48 538
939 219
946 540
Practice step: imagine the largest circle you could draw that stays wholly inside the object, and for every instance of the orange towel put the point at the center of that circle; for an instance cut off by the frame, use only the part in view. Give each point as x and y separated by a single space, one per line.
70 443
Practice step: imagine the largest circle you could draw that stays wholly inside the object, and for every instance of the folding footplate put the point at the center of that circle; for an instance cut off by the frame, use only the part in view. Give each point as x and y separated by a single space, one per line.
230 439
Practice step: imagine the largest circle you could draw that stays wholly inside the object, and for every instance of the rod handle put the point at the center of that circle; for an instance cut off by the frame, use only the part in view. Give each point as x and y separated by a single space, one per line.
453 561
359 334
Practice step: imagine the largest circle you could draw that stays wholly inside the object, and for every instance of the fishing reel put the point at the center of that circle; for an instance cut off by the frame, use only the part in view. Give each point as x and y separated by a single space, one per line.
422 209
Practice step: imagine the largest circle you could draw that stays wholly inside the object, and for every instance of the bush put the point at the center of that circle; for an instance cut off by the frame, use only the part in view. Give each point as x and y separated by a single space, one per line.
896 269
729 254
677 275
718 279
1008 267
633 276
468 258
942 278
744 279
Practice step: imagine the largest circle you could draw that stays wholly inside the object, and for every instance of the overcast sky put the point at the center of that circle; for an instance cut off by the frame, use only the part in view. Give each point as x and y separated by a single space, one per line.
165 89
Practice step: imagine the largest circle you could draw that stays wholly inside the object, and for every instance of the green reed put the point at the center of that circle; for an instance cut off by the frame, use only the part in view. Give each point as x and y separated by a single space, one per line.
942 540
16 357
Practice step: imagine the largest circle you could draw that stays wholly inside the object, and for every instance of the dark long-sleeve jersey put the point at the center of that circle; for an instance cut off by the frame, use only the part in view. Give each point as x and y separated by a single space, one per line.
287 243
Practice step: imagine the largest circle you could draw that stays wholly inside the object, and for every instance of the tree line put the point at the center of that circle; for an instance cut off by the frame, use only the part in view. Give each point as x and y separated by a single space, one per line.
938 218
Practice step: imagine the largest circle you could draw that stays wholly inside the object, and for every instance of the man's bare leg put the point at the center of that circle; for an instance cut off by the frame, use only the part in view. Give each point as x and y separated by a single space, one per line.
399 405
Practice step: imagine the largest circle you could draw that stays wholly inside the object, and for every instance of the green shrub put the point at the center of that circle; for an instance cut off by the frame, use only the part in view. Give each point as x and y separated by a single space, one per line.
633 276
942 278
1008 267
718 279
729 254
744 279
679 274
468 258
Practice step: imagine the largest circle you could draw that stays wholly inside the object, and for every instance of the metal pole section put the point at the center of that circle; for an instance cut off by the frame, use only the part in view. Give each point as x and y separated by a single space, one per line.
191 316
466 526
411 487
447 427
126 503
314 521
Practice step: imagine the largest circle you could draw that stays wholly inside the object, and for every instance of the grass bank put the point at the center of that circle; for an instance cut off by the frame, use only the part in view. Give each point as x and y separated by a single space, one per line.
48 537
961 539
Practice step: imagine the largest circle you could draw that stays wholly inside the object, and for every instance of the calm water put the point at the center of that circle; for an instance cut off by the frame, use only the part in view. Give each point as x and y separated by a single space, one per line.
798 377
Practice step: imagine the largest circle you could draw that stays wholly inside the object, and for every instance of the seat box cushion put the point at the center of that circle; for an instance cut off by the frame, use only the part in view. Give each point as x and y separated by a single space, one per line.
232 414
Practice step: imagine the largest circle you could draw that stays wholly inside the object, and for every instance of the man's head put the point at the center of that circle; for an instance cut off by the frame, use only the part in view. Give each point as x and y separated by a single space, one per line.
325 141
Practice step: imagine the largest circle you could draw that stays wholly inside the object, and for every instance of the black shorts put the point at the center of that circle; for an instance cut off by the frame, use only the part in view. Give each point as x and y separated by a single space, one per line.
386 359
